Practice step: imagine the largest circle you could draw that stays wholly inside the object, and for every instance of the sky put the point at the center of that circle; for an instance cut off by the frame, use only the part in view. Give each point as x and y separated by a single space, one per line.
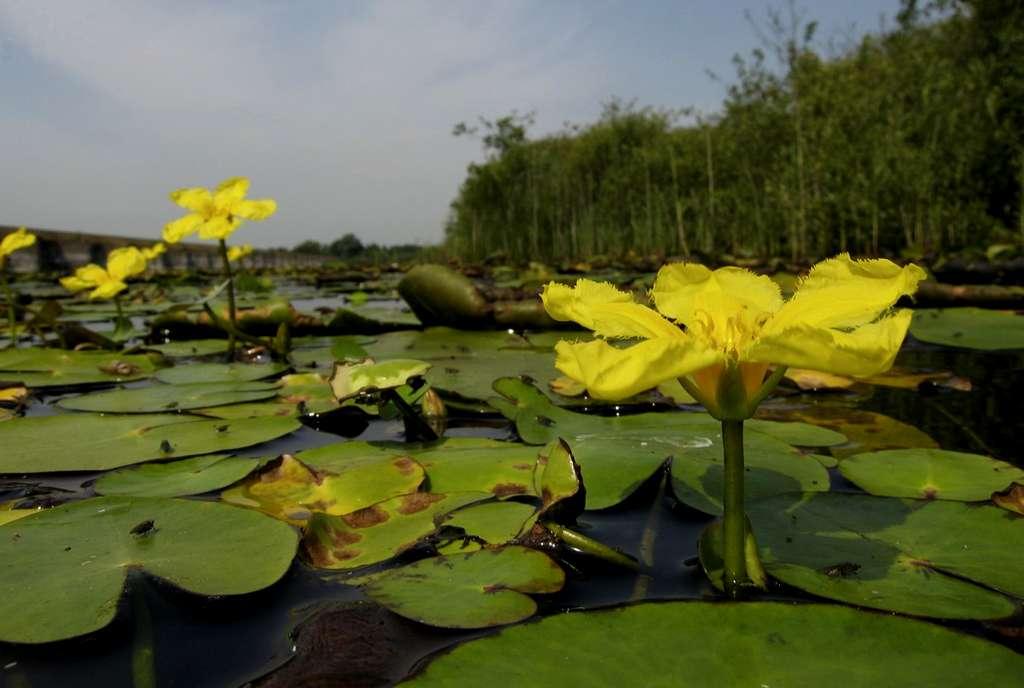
341 111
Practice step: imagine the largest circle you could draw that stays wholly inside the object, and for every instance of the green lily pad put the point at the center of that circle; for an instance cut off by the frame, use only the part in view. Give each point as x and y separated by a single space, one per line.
504 471
494 523
65 568
941 559
378 532
475 590
297 394
58 368
219 372
556 478
176 478
864 430
970 328
163 398
88 442
930 474
710 644
772 467
191 347
291 490
618 454
349 379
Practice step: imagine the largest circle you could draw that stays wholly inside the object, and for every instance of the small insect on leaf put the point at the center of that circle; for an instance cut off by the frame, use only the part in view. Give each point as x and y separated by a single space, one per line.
144 528
166 447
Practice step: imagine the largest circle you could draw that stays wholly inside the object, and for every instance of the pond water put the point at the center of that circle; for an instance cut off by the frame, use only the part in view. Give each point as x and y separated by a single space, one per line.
200 641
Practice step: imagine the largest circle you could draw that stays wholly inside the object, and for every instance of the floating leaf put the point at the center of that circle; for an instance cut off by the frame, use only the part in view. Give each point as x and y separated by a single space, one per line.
475 590
65 568
970 328
864 430
88 442
618 454
772 467
884 553
219 372
378 532
162 398
58 368
929 474
349 379
495 523
176 478
709 644
291 490
556 478
1011 499
191 347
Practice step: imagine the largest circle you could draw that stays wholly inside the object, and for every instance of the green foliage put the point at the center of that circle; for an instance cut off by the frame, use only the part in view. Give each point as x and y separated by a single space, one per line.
906 143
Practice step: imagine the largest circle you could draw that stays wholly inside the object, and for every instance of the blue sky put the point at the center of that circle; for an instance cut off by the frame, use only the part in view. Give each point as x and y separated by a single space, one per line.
342 111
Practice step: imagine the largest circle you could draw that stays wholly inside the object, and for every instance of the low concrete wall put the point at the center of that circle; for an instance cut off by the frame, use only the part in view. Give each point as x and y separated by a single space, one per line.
58 251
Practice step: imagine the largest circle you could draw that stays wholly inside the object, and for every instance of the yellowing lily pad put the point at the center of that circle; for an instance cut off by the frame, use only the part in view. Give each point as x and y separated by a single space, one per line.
930 474
65 568
970 328
164 398
176 478
90 442
709 644
864 430
476 590
349 379
378 532
219 372
941 559
290 490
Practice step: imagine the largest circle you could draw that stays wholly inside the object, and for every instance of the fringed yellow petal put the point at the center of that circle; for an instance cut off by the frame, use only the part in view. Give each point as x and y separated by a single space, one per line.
219 227
230 191
107 290
841 292
255 209
75 284
868 350
630 321
682 290
125 262
18 239
565 303
196 199
239 252
178 229
612 373
92 274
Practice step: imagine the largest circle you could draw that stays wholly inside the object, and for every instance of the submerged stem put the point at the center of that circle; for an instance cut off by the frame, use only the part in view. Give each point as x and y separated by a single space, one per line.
231 298
734 575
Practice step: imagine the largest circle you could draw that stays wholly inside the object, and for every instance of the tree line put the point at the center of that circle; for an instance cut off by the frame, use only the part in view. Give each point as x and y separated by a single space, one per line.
909 142
349 248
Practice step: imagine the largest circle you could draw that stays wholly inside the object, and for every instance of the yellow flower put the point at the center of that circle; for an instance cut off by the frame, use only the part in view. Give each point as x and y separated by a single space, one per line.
216 214
154 251
21 238
122 263
721 329
239 252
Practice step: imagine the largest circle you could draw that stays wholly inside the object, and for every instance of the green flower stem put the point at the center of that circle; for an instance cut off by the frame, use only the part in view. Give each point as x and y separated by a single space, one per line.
734 575
587 545
231 298
9 296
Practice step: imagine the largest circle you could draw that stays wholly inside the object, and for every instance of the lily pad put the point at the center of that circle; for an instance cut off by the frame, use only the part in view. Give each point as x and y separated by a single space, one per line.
772 467
475 590
298 394
219 372
1011 499
884 553
618 454
864 430
191 347
58 368
88 442
707 644
291 490
176 478
65 568
930 474
494 523
970 328
349 379
378 532
163 398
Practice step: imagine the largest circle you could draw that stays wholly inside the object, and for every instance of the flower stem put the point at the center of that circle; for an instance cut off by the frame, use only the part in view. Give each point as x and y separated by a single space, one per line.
231 298
734 525
9 296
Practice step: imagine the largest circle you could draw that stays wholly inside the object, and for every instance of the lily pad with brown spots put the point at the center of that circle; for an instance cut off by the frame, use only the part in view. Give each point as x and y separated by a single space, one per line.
378 532
293 491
